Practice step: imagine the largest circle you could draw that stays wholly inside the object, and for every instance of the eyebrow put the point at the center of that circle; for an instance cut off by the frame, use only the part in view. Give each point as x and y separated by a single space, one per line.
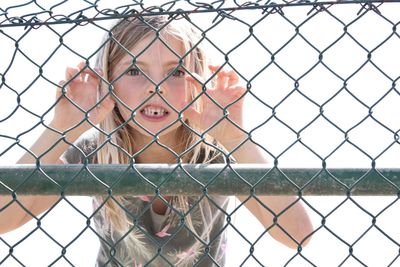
144 64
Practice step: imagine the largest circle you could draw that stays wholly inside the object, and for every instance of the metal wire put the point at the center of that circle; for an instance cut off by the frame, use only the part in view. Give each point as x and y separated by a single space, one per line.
206 181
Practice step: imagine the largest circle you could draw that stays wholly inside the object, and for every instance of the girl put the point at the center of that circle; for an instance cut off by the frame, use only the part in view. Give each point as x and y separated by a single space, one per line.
146 96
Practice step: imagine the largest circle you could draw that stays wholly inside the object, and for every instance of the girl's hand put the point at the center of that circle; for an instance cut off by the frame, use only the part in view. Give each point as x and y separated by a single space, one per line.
226 92
81 87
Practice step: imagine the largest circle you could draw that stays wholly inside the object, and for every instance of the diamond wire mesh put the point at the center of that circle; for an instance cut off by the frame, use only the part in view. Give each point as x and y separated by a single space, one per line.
363 111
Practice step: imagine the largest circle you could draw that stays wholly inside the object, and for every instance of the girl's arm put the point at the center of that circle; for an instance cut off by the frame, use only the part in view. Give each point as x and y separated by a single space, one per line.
82 90
228 93
13 212
294 221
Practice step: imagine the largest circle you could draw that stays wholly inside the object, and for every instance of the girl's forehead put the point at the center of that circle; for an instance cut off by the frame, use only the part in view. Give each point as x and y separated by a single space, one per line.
169 46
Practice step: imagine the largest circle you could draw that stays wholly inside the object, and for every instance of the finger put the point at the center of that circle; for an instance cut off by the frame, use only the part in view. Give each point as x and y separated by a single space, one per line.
222 80
233 94
60 87
90 76
84 71
239 90
94 73
233 78
63 90
222 76
82 65
214 68
71 74
61 83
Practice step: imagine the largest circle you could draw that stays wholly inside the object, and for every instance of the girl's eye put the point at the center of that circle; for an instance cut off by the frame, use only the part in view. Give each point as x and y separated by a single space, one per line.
178 73
133 72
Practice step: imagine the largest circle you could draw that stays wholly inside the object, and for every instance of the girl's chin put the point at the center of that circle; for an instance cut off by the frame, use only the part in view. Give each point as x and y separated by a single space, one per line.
151 132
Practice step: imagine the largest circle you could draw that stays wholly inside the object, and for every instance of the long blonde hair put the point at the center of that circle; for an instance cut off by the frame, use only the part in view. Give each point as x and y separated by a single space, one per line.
119 145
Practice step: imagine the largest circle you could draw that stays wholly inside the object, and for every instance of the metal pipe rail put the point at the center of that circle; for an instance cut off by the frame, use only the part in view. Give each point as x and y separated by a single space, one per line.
194 179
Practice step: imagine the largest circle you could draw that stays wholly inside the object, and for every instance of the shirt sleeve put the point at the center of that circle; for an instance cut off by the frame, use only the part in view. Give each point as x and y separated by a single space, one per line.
80 152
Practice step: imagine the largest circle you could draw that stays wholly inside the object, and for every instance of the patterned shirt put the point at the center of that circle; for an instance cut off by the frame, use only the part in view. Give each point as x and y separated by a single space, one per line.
154 239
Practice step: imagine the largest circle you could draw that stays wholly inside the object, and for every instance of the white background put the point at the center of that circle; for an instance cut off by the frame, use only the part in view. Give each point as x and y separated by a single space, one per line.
272 85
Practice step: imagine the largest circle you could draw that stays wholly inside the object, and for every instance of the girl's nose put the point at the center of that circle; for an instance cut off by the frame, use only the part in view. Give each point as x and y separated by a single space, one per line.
153 88
158 84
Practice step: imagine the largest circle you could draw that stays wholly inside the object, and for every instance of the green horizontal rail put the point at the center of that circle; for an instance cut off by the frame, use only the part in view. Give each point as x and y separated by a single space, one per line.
194 179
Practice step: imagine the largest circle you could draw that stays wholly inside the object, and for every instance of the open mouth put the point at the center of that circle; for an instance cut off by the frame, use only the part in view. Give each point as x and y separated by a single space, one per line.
154 112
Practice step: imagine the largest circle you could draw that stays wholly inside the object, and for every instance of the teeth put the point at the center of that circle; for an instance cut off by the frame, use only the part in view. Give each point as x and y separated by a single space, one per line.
154 112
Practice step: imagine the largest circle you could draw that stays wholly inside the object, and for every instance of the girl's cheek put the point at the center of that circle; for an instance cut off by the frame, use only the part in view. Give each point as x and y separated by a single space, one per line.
177 97
125 113
176 83
129 91
141 82
126 99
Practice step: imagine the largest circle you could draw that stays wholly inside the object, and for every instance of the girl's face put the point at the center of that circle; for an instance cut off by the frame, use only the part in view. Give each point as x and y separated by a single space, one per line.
157 62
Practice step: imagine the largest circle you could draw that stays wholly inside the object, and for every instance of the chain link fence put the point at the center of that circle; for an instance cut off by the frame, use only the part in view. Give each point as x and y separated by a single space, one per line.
318 84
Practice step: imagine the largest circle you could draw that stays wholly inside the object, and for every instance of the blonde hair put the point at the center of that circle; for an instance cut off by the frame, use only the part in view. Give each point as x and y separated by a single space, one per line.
119 146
